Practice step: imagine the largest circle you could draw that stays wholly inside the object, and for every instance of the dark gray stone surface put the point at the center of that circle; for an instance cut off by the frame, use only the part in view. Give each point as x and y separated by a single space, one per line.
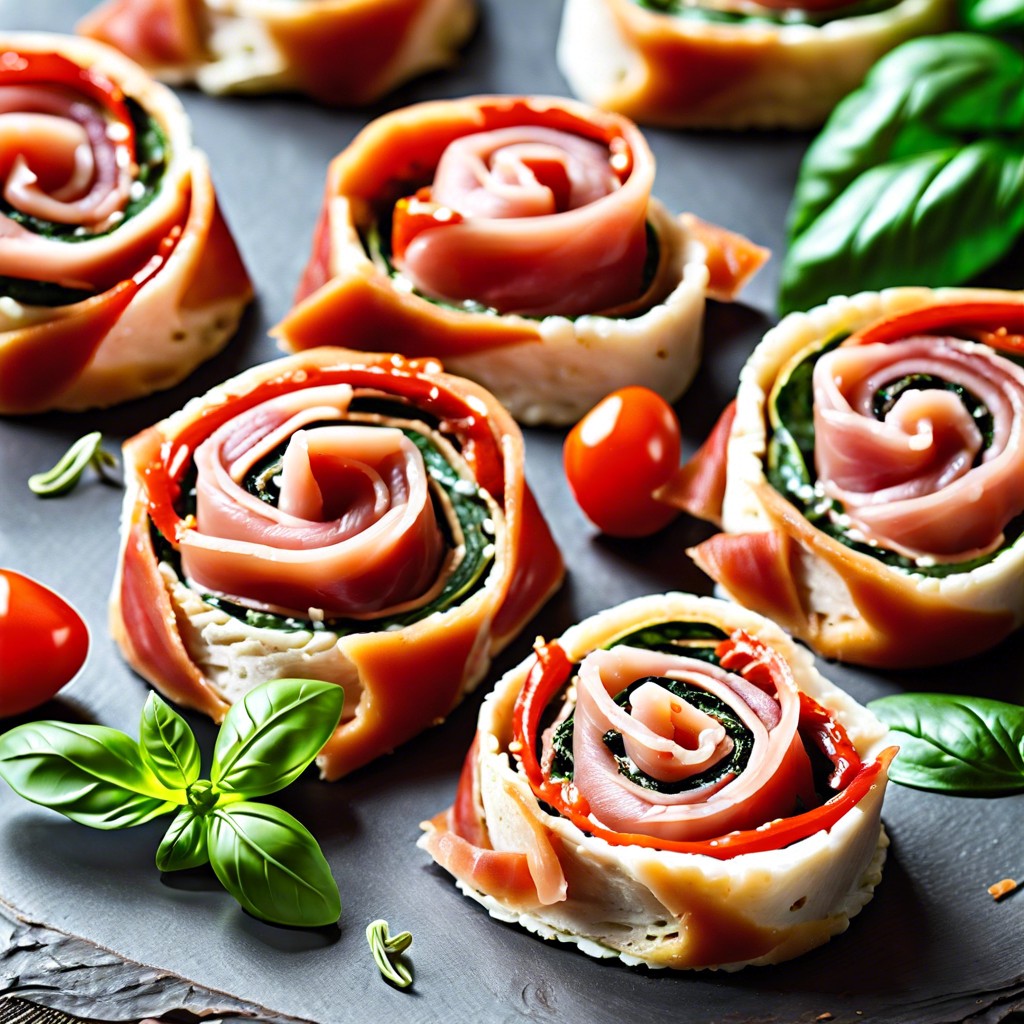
932 947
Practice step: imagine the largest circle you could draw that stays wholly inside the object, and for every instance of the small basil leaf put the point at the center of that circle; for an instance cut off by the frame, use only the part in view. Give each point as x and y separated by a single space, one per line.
91 774
168 745
272 865
184 845
953 744
903 224
269 738
993 15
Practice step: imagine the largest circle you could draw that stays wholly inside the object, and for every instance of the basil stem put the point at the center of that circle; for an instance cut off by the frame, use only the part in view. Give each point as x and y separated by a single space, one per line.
265 858
85 452
954 744
385 947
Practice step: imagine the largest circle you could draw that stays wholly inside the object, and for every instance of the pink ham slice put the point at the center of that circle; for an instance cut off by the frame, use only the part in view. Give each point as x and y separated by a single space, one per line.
353 532
909 481
547 225
61 161
672 741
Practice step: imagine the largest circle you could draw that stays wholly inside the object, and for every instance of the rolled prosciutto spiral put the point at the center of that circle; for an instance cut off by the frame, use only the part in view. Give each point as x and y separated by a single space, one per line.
670 782
870 476
360 519
516 238
118 275
341 52
732 63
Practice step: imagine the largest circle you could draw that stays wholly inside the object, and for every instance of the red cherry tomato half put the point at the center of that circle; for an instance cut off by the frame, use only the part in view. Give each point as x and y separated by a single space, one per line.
618 455
43 643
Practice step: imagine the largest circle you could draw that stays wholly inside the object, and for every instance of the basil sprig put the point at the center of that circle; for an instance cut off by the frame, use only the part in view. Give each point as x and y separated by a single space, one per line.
263 856
953 744
917 177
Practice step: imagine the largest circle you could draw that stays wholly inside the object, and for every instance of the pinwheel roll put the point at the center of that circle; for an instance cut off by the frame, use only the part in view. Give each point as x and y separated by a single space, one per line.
341 52
732 63
673 783
516 238
118 275
360 519
871 476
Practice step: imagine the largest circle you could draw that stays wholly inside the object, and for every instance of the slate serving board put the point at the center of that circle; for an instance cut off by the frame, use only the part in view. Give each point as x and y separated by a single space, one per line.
932 947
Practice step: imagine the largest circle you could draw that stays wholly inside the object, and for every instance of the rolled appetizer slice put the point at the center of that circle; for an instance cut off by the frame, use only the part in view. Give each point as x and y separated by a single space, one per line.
341 52
516 238
118 275
673 783
354 518
870 476
732 63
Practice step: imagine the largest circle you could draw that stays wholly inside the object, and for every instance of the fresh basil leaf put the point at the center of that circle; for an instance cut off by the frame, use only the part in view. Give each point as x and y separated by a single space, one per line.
913 130
993 15
939 218
168 745
271 735
953 744
184 845
91 774
272 865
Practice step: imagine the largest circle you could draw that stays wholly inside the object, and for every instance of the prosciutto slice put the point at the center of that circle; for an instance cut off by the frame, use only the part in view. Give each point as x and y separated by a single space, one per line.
920 478
671 741
542 222
131 294
353 530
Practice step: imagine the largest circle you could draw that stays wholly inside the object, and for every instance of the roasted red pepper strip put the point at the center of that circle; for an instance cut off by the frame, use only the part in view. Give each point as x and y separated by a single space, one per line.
549 674
1002 324
414 214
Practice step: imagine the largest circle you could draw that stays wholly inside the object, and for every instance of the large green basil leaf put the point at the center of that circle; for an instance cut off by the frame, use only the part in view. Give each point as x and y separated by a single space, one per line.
272 865
933 137
993 15
91 774
168 745
271 735
184 845
939 218
954 744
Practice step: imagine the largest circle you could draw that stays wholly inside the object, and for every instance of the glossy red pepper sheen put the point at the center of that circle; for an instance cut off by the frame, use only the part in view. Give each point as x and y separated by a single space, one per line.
43 643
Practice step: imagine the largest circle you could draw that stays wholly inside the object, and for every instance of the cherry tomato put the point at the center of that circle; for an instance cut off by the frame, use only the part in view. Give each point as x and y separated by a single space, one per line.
43 643
618 455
